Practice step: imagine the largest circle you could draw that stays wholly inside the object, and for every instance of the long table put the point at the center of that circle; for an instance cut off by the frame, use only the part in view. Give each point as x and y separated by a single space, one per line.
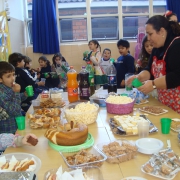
101 132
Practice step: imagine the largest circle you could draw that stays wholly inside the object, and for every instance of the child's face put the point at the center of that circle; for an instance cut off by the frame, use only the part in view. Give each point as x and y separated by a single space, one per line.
42 63
8 79
20 64
123 50
28 65
106 55
58 60
92 46
148 47
173 18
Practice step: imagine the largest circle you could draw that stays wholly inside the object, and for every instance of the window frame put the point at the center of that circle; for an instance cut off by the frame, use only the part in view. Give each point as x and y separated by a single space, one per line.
120 15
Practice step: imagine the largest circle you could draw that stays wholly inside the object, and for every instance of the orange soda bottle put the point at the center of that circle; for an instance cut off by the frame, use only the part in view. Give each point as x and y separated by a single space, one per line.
72 85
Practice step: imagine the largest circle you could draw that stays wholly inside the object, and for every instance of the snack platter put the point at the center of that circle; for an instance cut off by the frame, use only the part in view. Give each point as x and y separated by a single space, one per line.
175 125
153 110
165 165
144 102
118 130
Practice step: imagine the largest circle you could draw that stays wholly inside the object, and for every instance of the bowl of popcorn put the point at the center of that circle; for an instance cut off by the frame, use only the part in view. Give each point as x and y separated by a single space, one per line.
81 112
119 104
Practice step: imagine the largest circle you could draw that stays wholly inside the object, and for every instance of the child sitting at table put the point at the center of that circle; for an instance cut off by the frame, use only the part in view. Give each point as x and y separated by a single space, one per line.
8 140
45 70
10 97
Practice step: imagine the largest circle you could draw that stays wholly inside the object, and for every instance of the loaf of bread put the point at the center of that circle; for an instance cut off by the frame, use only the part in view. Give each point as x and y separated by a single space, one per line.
67 136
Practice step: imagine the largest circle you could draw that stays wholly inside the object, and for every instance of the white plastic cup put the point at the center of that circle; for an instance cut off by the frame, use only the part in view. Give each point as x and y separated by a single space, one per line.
143 129
43 79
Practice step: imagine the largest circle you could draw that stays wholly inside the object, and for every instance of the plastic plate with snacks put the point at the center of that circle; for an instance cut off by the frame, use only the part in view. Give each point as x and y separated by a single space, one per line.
153 110
88 143
175 124
149 145
90 172
165 164
85 157
133 178
118 151
142 102
118 129
21 158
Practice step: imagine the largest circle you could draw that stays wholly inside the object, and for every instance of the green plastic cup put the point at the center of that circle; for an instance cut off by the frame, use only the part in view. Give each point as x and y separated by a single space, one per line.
29 91
20 120
136 82
165 125
46 75
124 94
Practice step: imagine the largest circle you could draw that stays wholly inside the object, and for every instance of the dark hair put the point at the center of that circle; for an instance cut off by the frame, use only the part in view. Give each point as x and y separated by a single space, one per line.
159 22
5 67
123 42
96 43
106 49
55 56
14 58
27 60
43 58
144 55
169 14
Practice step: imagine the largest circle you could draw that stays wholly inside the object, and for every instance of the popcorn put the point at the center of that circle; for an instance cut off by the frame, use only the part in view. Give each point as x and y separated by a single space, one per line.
119 99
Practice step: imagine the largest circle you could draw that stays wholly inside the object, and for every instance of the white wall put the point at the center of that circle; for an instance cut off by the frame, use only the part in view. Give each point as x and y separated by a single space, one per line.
16 24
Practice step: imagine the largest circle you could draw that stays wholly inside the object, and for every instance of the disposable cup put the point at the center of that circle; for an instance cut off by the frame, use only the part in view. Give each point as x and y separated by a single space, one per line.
43 79
20 120
136 82
165 125
128 86
46 75
29 91
143 129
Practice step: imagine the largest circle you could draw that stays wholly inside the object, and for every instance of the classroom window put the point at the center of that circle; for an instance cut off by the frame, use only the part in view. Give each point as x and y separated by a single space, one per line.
82 20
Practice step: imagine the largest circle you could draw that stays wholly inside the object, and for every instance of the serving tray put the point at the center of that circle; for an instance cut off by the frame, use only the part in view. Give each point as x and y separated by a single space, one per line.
116 129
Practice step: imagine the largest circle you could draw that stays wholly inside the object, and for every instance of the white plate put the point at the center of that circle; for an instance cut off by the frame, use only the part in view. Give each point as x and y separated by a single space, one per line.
161 177
149 145
133 178
142 102
156 114
22 156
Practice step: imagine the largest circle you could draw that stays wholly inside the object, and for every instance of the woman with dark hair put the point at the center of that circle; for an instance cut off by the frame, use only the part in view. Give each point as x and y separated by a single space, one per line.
163 70
171 16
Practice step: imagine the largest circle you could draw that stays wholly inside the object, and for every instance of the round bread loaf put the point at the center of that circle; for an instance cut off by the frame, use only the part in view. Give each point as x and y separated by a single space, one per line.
75 136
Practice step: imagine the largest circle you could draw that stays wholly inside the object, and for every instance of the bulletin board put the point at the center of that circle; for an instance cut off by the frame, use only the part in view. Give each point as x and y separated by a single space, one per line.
5 45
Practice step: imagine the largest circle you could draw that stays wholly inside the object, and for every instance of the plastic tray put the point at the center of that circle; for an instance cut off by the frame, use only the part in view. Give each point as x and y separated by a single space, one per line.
21 156
122 157
93 150
156 114
88 143
91 171
115 129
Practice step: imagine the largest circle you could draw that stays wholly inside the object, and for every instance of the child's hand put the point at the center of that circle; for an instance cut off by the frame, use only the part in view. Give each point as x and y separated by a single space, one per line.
38 75
41 83
16 87
26 137
122 83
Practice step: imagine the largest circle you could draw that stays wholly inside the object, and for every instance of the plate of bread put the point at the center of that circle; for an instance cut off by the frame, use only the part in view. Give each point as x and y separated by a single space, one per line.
19 162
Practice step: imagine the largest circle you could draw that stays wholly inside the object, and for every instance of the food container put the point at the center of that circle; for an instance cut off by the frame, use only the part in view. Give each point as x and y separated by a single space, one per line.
36 103
119 108
117 154
99 99
85 115
90 151
21 156
165 165
91 171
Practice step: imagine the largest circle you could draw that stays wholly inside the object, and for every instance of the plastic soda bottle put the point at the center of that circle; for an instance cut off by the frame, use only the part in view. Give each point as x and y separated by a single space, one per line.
72 85
84 84
89 68
112 81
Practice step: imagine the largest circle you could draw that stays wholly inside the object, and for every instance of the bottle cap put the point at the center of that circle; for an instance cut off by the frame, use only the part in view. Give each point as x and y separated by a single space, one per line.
71 67
136 82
